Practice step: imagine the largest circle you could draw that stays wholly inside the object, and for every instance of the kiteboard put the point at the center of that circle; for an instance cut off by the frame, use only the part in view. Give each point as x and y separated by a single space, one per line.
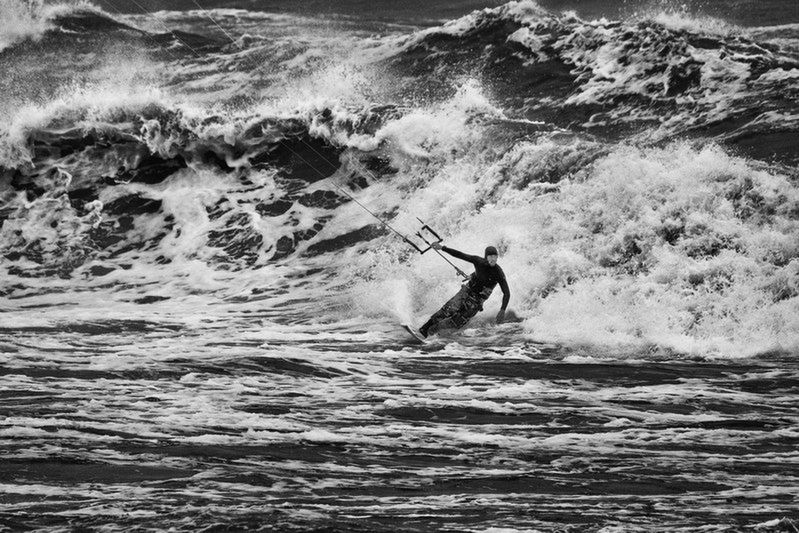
414 333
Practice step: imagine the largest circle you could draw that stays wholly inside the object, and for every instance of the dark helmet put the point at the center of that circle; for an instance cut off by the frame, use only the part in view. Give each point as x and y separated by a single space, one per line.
490 250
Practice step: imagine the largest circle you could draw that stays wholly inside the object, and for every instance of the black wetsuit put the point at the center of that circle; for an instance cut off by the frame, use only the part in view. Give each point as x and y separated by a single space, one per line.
469 300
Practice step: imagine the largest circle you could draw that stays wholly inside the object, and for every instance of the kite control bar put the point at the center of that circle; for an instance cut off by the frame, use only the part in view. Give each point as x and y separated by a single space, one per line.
428 236
436 239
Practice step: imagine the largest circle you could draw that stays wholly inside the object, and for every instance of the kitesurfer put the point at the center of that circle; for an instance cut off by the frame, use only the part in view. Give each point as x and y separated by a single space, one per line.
469 300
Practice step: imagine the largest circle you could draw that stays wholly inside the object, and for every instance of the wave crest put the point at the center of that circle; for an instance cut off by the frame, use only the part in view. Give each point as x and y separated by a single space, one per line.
609 77
31 19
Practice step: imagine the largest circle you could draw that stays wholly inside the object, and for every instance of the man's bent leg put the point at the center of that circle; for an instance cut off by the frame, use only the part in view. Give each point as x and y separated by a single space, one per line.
462 315
446 310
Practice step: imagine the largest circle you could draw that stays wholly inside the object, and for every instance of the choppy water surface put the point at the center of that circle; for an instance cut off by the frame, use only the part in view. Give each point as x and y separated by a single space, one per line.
244 421
199 330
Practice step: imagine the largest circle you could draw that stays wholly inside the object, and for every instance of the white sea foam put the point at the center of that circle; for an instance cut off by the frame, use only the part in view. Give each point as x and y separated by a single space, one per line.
30 19
700 24
21 20
561 250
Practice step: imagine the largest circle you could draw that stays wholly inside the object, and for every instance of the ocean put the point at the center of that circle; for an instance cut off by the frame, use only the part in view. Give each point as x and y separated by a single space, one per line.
201 323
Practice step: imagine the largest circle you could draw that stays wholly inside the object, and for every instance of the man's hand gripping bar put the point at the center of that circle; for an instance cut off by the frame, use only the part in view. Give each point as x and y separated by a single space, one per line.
429 236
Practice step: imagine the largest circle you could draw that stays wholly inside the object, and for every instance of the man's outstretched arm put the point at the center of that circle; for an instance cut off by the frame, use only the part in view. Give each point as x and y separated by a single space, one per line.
473 259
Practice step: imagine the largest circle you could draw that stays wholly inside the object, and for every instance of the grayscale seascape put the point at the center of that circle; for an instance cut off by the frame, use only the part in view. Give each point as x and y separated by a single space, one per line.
200 330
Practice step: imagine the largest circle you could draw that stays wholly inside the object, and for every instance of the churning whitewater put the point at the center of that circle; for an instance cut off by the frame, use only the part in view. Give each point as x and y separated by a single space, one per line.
200 329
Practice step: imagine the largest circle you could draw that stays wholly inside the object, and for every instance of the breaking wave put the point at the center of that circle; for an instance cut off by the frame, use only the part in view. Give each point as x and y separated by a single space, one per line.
637 176
31 20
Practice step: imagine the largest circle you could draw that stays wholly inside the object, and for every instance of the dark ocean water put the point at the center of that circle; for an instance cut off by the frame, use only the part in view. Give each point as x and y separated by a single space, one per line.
200 330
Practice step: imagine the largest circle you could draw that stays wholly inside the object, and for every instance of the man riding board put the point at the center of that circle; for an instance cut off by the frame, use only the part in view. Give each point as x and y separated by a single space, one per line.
469 300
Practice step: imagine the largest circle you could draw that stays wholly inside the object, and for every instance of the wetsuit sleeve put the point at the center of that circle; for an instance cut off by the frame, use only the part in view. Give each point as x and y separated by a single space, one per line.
503 284
473 259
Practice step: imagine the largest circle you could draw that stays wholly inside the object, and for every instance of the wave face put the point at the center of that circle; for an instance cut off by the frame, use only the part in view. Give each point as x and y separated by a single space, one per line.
667 75
638 176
